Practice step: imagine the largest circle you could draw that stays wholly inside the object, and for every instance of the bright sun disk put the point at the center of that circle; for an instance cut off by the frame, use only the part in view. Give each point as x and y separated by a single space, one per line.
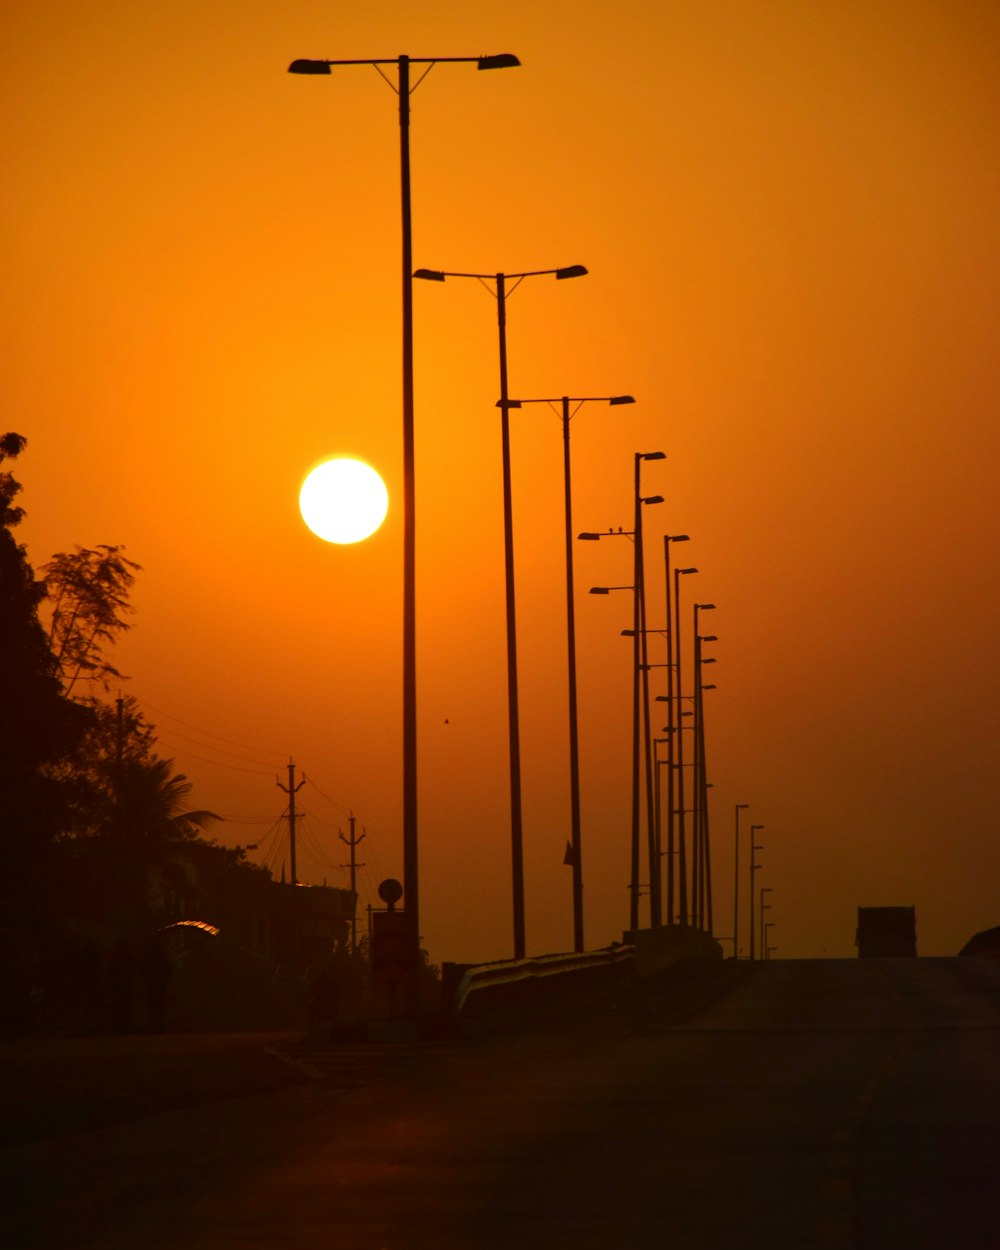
343 500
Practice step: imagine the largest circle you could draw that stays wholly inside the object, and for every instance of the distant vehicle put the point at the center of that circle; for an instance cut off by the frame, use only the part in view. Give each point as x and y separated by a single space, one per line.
886 931
985 943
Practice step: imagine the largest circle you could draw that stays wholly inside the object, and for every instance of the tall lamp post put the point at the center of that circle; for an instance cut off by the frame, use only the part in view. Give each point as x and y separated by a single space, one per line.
699 795
740 807
667 540
704 858
640 697
404 90
681 839
574 746
764 889
502 292
633 910
655 907
754 869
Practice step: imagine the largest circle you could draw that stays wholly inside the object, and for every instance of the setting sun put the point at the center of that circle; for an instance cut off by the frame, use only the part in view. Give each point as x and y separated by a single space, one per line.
343 500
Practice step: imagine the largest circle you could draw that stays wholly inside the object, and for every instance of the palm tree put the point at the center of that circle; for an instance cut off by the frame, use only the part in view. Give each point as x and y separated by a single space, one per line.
151 799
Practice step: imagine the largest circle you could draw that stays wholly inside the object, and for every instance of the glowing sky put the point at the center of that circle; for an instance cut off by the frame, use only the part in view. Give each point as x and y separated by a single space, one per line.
788 209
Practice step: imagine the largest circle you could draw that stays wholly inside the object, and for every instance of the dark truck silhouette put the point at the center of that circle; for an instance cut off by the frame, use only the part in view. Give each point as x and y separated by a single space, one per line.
886 931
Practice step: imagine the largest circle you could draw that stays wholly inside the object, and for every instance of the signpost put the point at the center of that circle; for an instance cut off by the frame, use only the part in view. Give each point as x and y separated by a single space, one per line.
394 959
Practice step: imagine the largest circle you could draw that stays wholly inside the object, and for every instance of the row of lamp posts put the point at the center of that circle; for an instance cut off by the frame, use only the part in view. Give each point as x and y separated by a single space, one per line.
759 939
697 908
688 899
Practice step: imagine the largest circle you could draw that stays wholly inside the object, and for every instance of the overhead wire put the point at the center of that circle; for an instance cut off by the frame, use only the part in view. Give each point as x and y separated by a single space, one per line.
208 733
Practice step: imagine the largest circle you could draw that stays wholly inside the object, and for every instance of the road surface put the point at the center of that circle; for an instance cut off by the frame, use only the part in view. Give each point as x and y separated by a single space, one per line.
853 1105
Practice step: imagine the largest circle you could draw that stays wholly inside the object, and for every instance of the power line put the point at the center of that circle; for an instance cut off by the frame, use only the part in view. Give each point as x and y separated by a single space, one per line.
208 733
176 733
332 802
193 755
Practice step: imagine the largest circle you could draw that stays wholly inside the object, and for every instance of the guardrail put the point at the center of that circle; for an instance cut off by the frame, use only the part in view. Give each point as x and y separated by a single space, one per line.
522 988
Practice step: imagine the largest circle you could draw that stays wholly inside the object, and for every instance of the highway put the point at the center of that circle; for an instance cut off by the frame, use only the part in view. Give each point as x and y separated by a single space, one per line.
847 1104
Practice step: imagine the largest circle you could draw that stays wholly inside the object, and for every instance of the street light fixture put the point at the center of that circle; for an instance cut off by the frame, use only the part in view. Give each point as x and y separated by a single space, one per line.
574 749
403 89
501 292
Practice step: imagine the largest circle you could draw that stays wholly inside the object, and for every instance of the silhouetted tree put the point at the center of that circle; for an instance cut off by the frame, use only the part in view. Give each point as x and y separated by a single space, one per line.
88 591
38 724
38 727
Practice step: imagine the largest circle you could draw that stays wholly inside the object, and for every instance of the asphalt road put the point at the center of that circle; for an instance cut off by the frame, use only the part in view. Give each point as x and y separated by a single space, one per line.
820 1104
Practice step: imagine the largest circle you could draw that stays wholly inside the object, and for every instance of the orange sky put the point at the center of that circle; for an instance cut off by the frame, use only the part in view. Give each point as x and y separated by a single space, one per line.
788 210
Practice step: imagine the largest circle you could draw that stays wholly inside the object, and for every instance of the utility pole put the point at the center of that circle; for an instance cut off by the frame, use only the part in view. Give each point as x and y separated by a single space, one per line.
291 790
353 842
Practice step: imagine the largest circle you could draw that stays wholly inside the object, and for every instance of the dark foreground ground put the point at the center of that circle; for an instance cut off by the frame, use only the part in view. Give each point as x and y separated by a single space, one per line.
827 1103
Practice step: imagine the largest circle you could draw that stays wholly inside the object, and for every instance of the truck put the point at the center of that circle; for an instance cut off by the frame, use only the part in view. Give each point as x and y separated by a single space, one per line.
886 931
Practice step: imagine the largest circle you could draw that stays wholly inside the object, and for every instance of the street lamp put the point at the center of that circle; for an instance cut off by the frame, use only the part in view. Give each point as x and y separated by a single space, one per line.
764 889
504 60
681 848
500 290
655 907
754 869
667 540
740 807
634 840
640 677
699 796
574 747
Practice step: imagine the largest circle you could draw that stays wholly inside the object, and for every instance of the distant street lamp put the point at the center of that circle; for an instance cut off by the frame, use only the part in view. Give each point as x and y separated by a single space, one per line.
764 889
736 881
504 60
655 905
574 748
754 869
640 678
681 839
500 290
667 540
699 796
705 918
636 660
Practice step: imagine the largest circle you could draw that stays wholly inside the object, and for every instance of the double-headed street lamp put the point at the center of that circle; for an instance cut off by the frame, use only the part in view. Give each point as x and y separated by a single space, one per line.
567 415
403 89
500 289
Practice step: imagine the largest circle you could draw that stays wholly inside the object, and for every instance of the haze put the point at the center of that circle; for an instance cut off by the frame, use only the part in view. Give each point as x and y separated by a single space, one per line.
788 212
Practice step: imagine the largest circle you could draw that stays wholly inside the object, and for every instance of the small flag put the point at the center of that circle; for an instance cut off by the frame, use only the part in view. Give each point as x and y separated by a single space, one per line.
569 857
